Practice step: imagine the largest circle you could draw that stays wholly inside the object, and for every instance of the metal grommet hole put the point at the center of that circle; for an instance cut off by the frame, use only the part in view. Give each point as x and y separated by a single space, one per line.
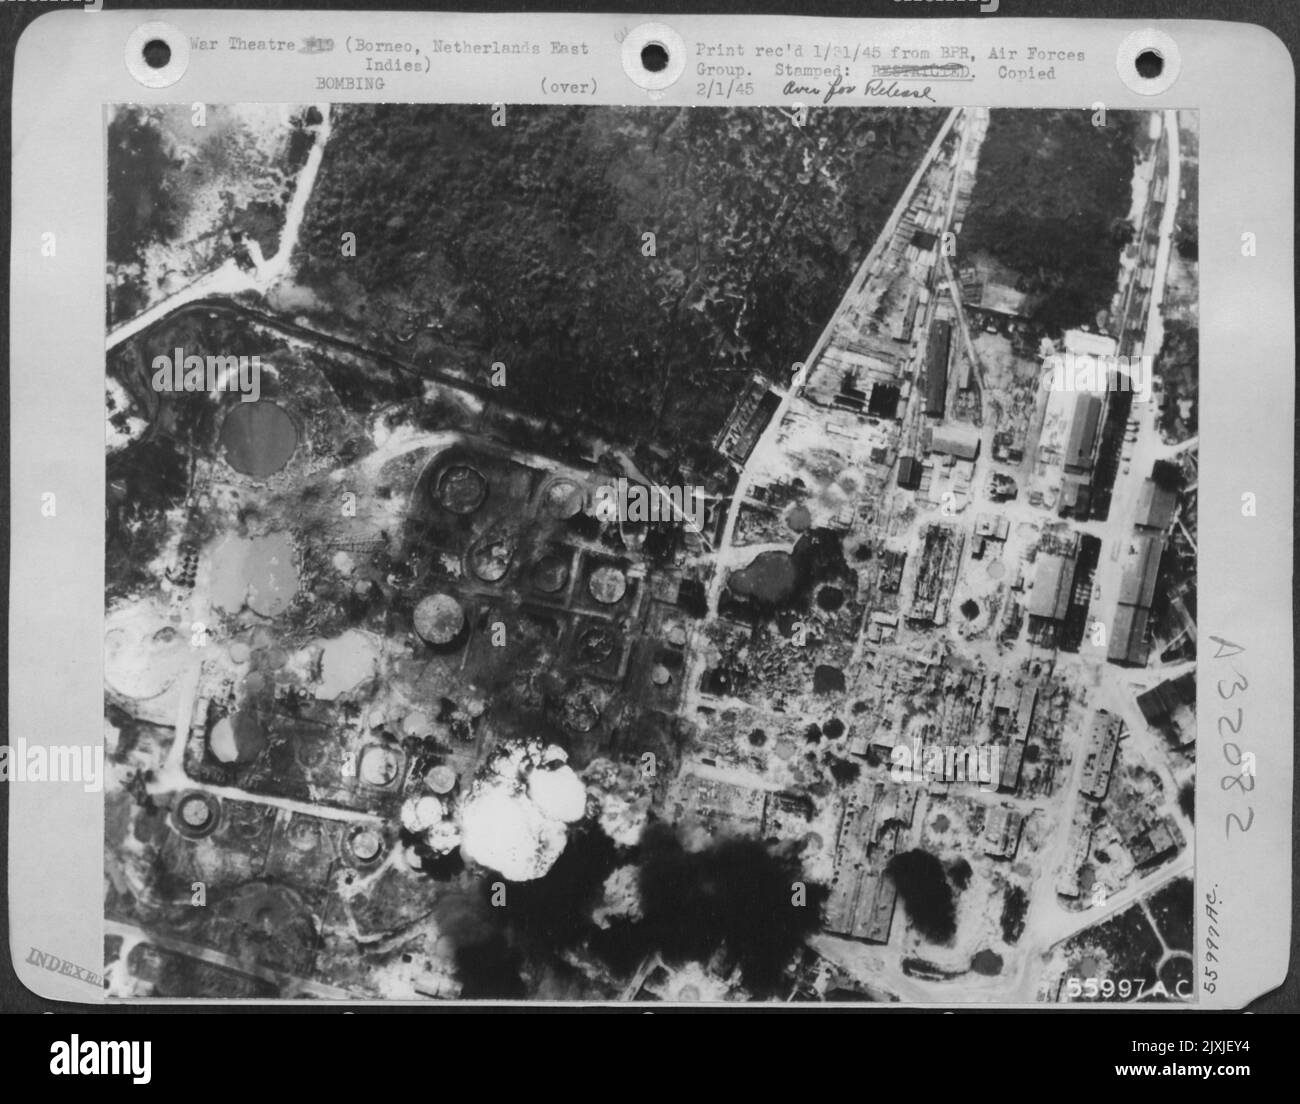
654 57
156 53
1149 64
1148 61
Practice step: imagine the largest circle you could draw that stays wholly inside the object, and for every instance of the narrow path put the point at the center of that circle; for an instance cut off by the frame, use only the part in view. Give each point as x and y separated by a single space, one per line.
229 278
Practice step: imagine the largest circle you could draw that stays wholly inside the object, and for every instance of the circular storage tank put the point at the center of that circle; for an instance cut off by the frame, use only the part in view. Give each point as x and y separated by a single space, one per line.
607 585
258 438
461 489
441 780
439 619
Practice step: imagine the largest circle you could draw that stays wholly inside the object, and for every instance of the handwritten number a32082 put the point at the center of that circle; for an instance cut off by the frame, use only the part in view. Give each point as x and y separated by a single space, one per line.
1231 751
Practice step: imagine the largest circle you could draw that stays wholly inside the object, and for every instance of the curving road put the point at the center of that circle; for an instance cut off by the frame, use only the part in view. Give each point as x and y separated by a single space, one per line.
229 278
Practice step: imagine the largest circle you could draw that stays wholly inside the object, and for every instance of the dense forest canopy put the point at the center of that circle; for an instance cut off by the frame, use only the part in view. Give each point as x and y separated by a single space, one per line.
1051 201
141 206
526 244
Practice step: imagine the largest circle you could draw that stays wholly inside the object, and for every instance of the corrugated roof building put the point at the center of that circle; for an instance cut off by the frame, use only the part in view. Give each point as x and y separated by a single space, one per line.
936 368
1128 637
1138 587
1083 433
1053 577
1155 507
962 442
1082 343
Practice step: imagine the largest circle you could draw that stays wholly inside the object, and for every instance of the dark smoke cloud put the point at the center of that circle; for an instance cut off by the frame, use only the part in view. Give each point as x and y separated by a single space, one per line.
486 964
735 894
926 894
496 947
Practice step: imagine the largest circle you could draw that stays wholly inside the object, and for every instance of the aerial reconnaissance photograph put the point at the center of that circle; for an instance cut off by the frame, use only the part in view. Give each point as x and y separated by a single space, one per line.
650 554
